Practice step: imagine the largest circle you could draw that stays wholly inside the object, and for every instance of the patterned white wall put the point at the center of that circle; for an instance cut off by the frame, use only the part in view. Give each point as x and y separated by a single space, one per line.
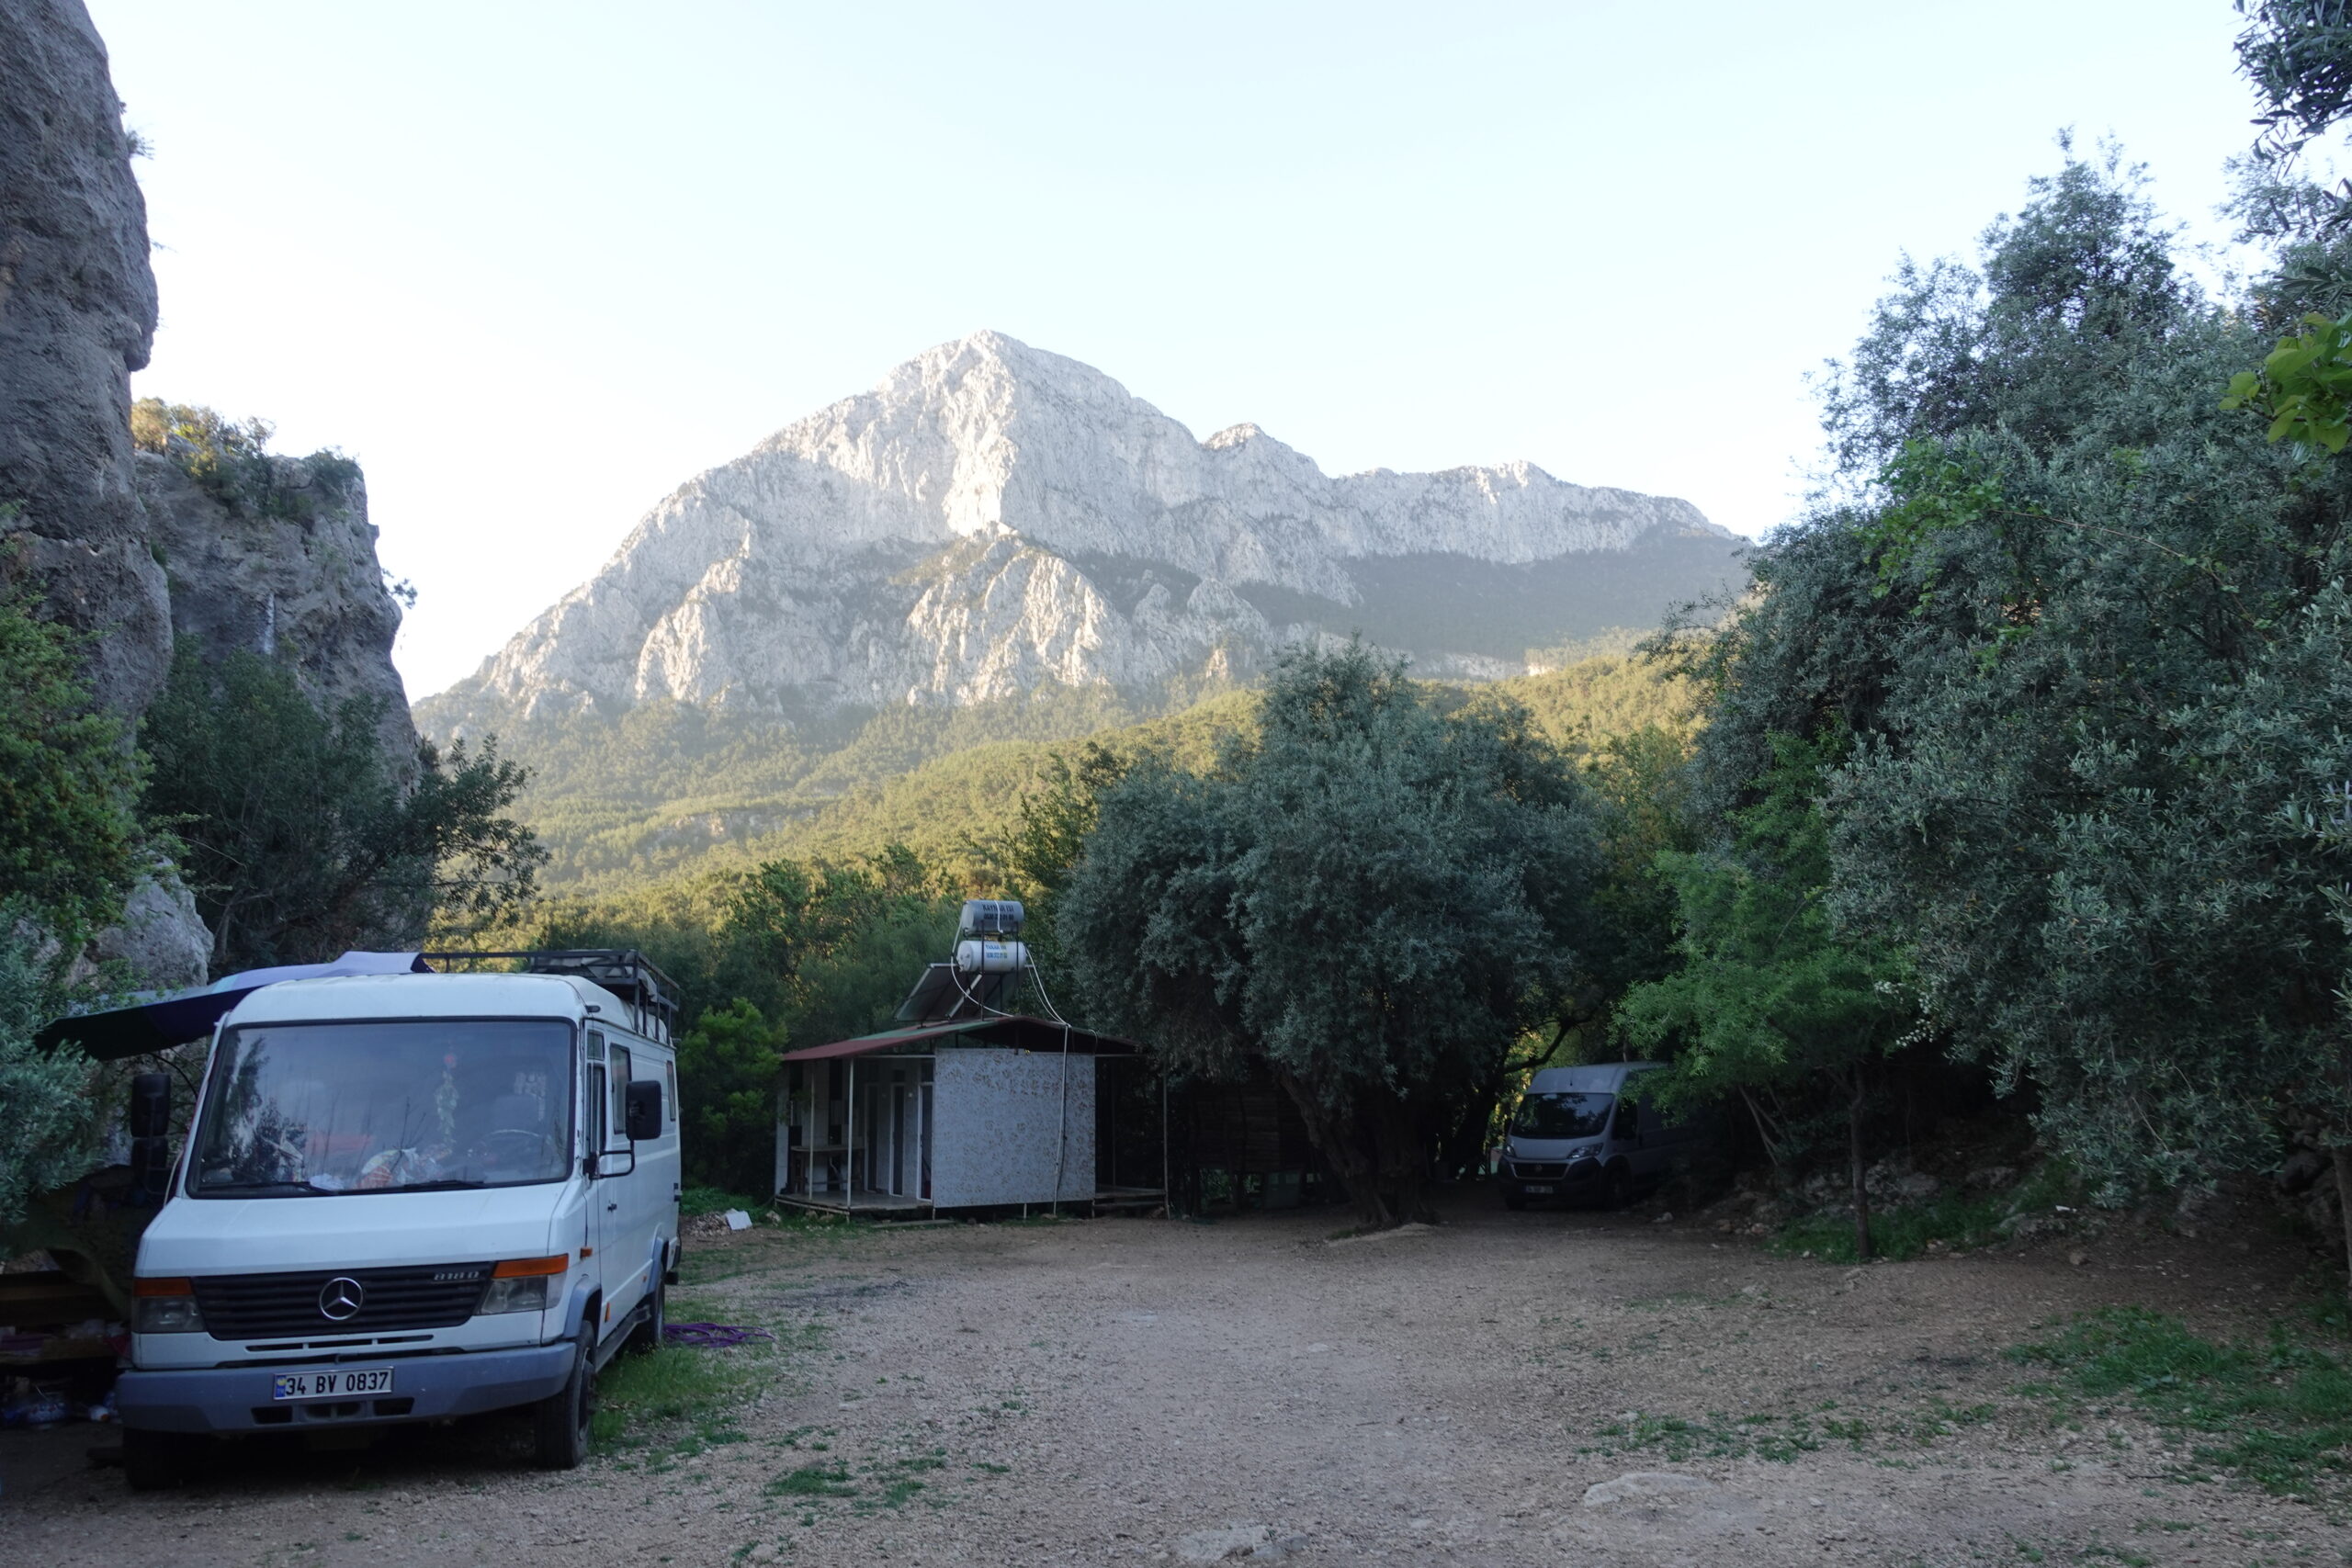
998 1122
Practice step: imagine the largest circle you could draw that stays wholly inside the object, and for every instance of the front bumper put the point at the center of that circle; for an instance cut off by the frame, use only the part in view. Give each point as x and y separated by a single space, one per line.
424 1388
1575 1176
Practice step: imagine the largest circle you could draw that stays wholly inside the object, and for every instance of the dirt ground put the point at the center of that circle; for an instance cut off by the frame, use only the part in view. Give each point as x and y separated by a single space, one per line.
1498 1390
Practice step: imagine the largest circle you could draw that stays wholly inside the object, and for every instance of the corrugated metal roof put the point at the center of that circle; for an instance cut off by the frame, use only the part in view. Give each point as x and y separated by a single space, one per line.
1017 1031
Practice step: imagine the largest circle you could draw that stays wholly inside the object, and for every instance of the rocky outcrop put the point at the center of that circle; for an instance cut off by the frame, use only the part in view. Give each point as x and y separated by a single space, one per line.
89 524
991 518
296 580
77 310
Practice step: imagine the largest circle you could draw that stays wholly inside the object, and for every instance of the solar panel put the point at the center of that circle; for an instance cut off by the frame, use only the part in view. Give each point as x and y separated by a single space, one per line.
943 995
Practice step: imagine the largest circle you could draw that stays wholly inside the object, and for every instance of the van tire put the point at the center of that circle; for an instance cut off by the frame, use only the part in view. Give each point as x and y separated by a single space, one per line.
559 1423
647 1335
154 1460
1616 1187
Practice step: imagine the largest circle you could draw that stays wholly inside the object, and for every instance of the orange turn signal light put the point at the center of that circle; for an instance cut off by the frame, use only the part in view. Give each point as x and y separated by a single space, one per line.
524 1268
162 1287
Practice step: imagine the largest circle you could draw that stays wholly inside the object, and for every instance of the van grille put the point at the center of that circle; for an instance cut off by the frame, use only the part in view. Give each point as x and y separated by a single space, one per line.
255 1306
1519 1167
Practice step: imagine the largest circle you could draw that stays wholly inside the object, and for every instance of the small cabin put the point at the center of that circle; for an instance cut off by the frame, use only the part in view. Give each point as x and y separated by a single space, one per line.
968 1106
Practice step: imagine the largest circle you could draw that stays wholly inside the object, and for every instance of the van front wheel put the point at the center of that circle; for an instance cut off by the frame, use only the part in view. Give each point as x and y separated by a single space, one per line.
1616 1188
560 1421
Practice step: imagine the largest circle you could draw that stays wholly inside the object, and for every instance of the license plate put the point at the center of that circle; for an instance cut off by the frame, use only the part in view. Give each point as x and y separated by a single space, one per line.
1545 1190
336 1382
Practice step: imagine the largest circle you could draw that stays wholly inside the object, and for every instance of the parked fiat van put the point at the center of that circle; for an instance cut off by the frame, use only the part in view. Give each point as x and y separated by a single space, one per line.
408 1198
1590 1134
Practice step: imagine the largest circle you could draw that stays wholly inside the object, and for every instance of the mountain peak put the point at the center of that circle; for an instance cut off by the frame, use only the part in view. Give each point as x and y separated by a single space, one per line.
990 517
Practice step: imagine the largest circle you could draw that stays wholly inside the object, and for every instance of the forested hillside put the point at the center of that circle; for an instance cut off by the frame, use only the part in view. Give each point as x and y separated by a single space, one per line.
670 790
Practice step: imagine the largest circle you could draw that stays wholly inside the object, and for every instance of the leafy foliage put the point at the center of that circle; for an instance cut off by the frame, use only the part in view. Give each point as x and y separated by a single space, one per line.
1769 994
230 459
1369 897
728 1070
2092 635
2303 387
70 842
52 1133
299 841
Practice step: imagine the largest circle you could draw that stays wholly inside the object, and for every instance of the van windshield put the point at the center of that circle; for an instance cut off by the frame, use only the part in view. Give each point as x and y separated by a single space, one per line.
1571 1114
300 1110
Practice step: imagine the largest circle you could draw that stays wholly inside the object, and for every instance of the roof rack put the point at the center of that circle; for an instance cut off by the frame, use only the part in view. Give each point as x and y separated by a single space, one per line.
652 996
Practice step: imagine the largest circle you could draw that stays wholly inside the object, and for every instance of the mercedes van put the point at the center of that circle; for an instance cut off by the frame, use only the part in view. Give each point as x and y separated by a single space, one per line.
1590 1133
408 1198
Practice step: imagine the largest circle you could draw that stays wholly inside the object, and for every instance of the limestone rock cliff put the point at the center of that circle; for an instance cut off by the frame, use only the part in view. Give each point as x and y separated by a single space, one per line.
991 518
296 580
77 313
89 524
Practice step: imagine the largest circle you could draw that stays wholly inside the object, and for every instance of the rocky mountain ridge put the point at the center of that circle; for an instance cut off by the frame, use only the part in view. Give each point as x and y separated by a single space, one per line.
990 519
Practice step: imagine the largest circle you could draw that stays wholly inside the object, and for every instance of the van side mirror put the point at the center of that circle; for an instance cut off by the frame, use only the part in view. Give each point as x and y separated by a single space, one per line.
644 1110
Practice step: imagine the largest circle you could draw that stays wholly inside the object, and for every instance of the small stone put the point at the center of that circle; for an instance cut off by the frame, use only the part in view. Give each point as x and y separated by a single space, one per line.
1644 1484
1223 1544
2078 1258
1665 1219
763 1553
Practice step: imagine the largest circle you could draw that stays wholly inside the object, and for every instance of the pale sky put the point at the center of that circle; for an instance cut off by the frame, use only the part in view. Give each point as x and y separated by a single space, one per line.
535 265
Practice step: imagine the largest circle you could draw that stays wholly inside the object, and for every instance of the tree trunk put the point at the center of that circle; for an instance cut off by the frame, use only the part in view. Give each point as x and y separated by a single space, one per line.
1854 1154
2342 1156
1337 1135
1404 1154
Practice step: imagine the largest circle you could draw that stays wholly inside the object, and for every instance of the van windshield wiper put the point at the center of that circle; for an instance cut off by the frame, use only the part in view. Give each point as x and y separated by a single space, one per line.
446 1184
281 1189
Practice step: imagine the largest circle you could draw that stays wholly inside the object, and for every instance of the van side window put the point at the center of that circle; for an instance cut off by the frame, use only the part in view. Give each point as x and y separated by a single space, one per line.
670 1070
617 1118
1627 1122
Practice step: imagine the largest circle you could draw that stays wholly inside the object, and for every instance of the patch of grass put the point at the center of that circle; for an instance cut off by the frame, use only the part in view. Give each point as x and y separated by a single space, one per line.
1897 1233
899 1492
684 1397
814 1480
2279 1414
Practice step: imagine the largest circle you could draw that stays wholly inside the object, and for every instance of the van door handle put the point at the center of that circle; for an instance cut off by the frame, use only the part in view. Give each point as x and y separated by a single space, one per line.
610 1207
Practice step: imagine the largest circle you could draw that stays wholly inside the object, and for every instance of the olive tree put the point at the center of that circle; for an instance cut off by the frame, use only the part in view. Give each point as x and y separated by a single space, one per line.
1370 898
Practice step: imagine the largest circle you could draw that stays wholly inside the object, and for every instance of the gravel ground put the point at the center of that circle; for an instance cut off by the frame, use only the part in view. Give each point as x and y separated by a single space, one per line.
1498 1390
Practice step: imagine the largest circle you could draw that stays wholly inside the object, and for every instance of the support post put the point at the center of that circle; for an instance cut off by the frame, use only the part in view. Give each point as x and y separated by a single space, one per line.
848 1143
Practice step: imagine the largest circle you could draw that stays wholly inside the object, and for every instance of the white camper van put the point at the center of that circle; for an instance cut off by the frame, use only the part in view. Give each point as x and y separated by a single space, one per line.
1589 1133
408 1198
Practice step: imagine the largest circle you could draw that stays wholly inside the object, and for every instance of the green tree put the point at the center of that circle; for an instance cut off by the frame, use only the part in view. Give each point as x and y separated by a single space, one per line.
728 1071
1769 995
70 846
2091 633
52 1124
70 842
1371 897
300 842
1042 849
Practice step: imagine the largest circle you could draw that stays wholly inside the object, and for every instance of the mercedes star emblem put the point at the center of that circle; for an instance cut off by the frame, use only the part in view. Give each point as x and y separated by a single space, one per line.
341 1298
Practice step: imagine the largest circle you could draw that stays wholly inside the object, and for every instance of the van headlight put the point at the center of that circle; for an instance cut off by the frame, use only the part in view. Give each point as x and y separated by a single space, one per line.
164 1306
520 1284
